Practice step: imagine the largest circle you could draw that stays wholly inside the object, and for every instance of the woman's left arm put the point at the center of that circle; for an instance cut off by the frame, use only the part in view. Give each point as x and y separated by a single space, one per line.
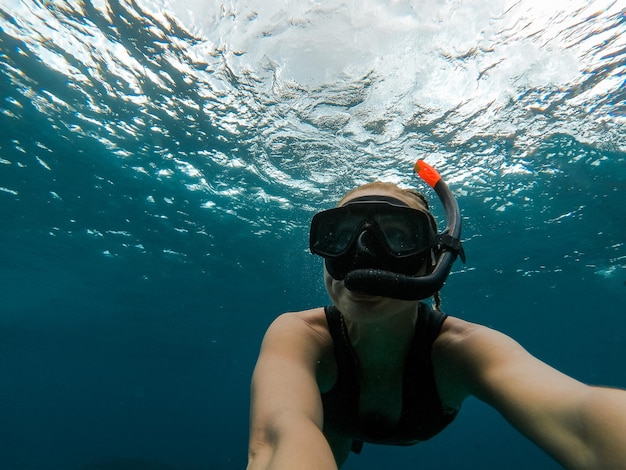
579 425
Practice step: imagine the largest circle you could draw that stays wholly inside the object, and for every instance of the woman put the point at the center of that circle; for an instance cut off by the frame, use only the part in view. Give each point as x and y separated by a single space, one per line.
380 366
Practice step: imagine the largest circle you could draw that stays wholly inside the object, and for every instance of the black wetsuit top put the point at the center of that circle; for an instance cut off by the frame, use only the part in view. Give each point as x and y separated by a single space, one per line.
422 416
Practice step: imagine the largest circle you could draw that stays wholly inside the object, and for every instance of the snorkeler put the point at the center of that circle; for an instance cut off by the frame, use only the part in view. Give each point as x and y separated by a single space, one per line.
380 366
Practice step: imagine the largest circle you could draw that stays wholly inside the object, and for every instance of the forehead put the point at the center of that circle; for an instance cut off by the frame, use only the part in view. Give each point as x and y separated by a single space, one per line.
398 194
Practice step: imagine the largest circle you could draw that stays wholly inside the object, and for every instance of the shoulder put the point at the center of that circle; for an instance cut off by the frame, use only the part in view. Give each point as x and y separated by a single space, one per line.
302 338
454 337
308 323
458 338
475 347
456 333
468 356
301 335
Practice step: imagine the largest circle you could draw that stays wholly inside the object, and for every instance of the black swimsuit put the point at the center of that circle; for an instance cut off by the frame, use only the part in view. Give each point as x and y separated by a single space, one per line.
422 416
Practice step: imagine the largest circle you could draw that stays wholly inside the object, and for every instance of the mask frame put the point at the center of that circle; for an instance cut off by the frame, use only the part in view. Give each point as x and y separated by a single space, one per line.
402 230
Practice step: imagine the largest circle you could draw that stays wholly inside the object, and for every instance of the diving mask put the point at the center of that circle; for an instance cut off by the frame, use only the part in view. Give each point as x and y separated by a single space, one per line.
372 232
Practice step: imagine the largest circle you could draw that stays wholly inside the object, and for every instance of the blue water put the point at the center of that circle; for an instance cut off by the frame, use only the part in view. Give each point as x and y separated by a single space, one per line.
160 162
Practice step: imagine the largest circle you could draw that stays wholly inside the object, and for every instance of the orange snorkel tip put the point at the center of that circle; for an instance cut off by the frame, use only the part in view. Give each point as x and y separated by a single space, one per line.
427 173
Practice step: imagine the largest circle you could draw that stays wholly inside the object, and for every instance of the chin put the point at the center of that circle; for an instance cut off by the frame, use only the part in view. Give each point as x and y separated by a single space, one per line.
352 302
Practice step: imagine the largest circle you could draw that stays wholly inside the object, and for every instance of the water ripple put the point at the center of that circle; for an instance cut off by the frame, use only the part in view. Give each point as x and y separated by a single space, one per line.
249 111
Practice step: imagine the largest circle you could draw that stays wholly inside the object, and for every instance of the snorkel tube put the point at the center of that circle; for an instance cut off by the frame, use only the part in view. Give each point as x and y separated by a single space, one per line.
400 286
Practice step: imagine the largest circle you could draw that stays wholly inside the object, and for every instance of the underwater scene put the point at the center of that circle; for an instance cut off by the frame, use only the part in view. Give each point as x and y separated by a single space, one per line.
160 162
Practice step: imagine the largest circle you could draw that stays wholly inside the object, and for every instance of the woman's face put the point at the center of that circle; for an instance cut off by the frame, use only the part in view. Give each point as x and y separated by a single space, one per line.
362 307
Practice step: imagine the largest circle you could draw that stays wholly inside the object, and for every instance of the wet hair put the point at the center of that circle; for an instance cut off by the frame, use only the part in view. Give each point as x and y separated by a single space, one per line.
413 198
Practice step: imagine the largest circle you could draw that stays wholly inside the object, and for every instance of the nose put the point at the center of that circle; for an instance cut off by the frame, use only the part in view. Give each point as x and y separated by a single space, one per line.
362 242
367 246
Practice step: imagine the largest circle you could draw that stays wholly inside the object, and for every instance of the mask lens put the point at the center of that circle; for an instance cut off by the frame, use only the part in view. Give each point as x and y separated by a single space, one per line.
333 231
406 231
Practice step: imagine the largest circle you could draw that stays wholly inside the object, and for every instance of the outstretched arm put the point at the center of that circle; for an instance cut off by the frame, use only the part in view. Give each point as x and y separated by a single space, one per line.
579 425
286 416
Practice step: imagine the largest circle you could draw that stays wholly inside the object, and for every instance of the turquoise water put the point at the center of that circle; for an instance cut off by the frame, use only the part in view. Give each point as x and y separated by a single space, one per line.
160 162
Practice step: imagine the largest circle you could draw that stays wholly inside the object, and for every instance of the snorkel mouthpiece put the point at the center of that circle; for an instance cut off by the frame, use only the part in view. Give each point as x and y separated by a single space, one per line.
401 286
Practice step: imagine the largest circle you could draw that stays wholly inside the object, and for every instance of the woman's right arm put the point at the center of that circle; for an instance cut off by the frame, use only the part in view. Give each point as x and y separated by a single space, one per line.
286 415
